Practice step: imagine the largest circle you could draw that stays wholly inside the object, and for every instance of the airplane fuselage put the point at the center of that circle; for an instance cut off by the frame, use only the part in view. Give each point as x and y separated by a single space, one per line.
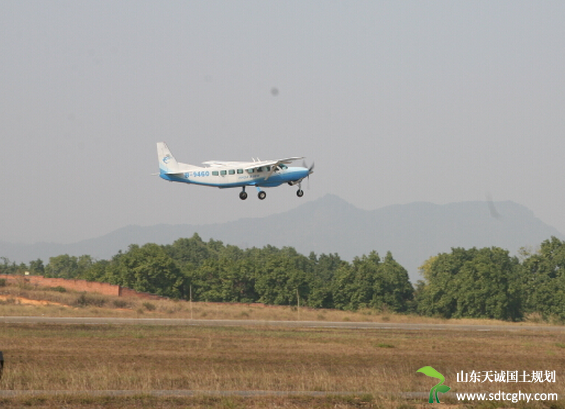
237 177
270 173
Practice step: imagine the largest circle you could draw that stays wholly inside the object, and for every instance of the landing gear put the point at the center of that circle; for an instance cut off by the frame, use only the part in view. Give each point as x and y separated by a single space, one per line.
300 192
261 195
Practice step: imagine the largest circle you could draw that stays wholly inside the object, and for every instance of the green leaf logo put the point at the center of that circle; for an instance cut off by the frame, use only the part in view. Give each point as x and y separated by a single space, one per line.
431 372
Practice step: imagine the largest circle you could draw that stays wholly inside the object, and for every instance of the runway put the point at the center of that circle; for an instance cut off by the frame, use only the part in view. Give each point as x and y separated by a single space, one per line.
284 324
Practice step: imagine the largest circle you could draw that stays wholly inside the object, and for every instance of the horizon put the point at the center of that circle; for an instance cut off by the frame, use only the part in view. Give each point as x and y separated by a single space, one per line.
486 202
412 233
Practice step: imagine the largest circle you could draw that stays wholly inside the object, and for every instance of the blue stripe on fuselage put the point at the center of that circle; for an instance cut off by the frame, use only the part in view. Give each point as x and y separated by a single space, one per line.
276 179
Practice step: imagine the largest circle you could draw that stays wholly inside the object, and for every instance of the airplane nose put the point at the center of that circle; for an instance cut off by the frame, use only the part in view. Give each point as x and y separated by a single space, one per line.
300 173
303 173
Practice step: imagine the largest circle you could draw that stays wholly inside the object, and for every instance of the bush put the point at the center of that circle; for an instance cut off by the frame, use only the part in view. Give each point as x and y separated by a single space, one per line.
2 282
85 300
121 304
58 289
149 306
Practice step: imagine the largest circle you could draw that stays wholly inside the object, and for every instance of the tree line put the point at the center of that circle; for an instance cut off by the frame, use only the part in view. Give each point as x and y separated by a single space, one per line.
464 283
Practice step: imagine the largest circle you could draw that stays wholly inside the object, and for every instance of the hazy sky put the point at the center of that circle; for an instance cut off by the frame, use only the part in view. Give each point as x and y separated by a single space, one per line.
395 101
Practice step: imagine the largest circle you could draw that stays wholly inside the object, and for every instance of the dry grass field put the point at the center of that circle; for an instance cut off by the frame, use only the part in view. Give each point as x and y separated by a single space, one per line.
377 365
31 301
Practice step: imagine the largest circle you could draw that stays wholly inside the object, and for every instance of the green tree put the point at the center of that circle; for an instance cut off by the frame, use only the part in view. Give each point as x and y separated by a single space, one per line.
392 288
96 271
343 287
543 275
70 267
8 267
472 283
63 266
36 267
147 269
281 277
192 250
371 283
238 282
207 281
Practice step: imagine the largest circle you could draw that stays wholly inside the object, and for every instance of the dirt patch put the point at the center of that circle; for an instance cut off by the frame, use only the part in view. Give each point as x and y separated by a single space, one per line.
27 301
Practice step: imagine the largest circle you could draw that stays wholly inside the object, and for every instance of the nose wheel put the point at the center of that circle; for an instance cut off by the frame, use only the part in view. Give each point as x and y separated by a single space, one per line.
300 193
243 195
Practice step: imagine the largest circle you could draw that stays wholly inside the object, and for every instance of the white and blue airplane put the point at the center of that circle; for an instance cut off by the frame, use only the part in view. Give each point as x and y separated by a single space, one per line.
260 174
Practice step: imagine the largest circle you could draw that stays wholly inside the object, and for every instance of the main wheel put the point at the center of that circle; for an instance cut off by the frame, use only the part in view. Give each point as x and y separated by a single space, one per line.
300 193
262 195
243 195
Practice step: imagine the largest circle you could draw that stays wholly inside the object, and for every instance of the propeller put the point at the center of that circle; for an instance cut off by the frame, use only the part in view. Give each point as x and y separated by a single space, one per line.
310 171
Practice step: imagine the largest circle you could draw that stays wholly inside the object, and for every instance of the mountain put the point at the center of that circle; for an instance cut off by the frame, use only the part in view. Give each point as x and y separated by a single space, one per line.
412 232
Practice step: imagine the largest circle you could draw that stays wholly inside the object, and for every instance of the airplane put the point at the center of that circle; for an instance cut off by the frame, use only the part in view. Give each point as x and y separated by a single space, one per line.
260 174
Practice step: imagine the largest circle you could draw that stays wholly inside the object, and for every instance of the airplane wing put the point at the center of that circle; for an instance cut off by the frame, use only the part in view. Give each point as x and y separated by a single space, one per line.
252 165
286 161
219 163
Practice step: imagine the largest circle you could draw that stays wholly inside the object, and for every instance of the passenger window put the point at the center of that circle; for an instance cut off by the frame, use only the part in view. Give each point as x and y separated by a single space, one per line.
259 169
215 173
232 172
240 171
250 170
223 172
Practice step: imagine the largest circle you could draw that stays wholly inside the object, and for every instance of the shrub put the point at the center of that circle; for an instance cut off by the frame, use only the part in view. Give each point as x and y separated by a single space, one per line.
149 306
85 300
121 304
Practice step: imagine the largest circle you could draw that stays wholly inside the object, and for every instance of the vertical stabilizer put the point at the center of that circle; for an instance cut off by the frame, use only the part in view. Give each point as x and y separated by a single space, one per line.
167 162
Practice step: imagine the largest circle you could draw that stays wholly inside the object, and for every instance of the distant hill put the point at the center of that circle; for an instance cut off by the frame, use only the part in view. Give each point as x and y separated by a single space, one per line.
412 232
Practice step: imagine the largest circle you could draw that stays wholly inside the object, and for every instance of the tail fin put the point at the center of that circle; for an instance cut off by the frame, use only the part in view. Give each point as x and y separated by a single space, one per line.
167 162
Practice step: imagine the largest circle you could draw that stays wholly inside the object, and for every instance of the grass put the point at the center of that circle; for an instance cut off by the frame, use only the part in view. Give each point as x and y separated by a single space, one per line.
31 301
371 363
196 402
144 358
